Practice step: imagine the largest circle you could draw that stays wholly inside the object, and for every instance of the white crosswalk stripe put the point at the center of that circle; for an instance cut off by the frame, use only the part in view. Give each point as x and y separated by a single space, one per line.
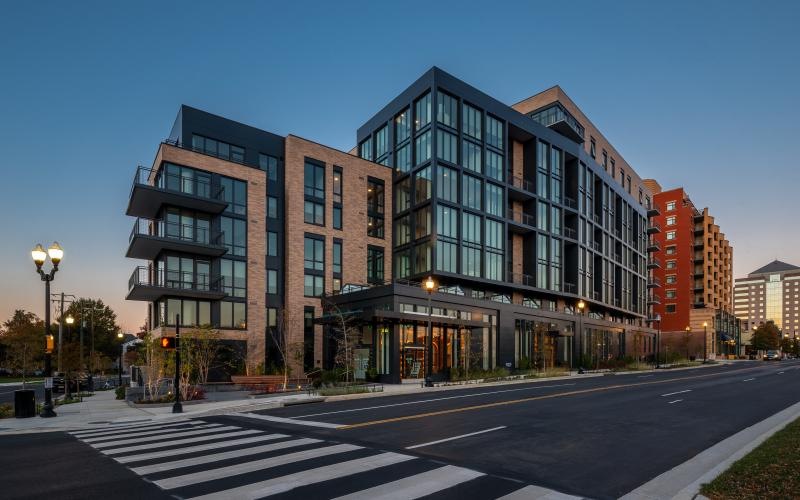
197 459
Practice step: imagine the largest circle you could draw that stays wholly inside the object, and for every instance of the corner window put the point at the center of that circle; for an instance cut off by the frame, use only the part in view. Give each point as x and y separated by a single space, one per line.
446 110
422 148
422 111
472 122
402 126
365 149
234 192
422 185
494 132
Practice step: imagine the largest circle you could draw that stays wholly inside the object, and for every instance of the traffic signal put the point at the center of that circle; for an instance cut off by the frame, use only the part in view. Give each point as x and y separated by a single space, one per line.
50 343
168 342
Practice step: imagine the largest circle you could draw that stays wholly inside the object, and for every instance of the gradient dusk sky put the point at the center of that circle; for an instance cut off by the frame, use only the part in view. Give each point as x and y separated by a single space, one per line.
703 95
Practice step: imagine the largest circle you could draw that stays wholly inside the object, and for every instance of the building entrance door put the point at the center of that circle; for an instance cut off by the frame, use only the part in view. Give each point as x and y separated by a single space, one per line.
412 362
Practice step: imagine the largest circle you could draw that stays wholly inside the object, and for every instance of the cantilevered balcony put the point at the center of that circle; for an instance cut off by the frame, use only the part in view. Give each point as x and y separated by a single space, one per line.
150 237
521 279
653 299
520 189
151 190
520 222
653 262
653 210
556 117
653 228
653 282
150 284
653 245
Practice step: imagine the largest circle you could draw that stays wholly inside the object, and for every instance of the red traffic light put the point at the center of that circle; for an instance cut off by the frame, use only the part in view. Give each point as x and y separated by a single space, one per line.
168 342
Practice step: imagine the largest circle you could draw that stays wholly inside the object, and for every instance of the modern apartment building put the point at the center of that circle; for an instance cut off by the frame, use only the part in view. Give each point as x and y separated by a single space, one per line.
770 293
694 265
520 214
241 228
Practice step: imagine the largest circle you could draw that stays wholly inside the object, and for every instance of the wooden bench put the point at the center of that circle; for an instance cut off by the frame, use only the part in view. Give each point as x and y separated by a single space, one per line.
269 383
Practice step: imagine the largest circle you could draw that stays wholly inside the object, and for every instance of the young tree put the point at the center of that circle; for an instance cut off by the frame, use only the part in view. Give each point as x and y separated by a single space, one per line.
346 335
287 349
23 337
205 346
766 337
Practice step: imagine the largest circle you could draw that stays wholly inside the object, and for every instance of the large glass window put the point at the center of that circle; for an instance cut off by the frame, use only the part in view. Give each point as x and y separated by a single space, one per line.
541 261
403 230
447 183
446 146
446 256
272 281
193 312
494 265
471 261
422 258
471 228
494 199
314 180
447 221
555 219
374 264
422 111
472 156
402 126
233 315
234 235
402 263
272 244
403 194
269 164
471 192
422 222
234 277
185 180
555 264
216 148
472 121
314 254
234 192
403 158
272 207
337 257
446 110
365 150
422 185
494 132
313 285
542 216
494 234
422 148
375 207
314 213
382 142
494 165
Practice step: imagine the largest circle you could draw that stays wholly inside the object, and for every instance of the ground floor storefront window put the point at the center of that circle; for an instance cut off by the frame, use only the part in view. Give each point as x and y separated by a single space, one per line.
542 345
601 348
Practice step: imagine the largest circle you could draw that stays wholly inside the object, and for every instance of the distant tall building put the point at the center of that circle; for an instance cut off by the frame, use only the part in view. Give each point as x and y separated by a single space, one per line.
770 293
694 264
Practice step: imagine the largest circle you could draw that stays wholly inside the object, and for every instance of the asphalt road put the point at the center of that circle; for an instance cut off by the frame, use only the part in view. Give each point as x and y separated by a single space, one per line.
595 437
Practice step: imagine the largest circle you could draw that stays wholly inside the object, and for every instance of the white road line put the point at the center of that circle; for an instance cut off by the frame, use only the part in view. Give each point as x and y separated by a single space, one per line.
312 476
216 457
177 442
431 400
94 439
283 420
484 431
644 376
532 492
677 392
417 486
125 428
114 444
200 447
256 465
748 379
676 401
780 373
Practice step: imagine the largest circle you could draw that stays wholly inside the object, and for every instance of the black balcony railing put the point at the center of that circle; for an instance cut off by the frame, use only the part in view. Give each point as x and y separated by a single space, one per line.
520 183
521 279
570 233
569 287
186 233
521 217
192 185
571 203
177 280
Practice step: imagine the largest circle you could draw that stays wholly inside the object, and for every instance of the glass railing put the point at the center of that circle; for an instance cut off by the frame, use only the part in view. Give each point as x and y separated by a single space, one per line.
191 185
188 233
181 280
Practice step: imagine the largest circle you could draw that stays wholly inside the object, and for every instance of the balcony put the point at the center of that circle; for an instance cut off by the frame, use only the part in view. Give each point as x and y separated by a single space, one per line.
150 284
556 117
570 203
653 245
699 304
596 246
570 233
653 299
521 189
653 282
653 211
653 263
194 193
653 228
699 243
520 222
150 237
521 279
570 287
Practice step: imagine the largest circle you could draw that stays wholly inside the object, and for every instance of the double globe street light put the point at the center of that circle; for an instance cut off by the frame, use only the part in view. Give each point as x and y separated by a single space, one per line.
56 253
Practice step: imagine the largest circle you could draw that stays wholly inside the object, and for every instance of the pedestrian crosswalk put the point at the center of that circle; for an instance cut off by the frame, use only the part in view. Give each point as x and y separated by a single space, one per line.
204 460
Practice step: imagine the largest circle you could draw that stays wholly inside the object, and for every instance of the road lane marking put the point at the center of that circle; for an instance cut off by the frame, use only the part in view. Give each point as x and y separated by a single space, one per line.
780 373
644 376
304 478
748 379
676 401
529 399
252 466
218 457
484 431
200 447
284 420
676 392
418 485
431 400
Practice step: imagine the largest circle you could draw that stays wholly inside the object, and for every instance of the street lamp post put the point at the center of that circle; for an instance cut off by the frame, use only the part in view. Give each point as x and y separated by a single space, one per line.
688 337
177 407
705 342
120 336
430 287
39 257
658 341
581 311
70 320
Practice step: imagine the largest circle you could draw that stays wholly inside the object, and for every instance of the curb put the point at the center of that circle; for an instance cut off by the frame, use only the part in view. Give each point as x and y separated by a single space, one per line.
684 481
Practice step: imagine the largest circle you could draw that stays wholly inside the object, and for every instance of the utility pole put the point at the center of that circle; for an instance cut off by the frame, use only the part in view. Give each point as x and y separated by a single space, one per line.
61 298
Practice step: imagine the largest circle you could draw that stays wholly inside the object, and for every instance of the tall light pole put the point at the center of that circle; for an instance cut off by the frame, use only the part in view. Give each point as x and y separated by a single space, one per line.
56 253
430 287
658 341
69 320
688 337
705 342
581 310
177 407
120 336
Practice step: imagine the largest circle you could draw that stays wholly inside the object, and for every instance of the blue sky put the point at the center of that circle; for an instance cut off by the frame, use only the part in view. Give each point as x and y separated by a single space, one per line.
698 94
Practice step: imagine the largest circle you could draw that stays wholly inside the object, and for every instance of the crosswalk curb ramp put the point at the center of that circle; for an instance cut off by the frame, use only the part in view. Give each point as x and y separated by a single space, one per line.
198 459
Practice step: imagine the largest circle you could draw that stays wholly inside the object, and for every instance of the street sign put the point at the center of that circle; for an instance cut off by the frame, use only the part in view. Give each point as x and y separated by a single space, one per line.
48 382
